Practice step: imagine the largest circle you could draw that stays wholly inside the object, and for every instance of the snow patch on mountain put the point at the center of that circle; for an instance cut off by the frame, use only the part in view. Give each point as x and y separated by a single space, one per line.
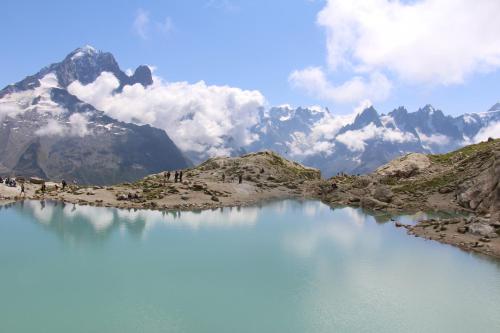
83 51
38 99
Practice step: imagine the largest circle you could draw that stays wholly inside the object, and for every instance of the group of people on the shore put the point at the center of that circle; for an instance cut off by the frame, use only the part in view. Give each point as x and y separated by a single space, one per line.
240 178
177 176
13 182
10 182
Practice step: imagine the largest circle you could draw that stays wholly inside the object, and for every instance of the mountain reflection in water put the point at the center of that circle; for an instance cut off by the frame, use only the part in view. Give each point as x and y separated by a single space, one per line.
77 223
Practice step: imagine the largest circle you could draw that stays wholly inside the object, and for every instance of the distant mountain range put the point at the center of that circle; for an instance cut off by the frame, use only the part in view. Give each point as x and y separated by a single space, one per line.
48 132
361 143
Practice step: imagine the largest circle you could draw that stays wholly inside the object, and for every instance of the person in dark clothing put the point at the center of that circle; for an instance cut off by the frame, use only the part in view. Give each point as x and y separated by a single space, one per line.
176 176
168 175
22 190
44 188
240 178
1 180
223 177
180 176
63 184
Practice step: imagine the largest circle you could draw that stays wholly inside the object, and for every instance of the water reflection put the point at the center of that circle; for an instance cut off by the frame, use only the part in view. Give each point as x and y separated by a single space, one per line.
295 266
87 223
78 223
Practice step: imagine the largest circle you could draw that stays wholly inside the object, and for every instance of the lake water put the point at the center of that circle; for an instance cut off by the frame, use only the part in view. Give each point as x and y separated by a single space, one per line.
287 266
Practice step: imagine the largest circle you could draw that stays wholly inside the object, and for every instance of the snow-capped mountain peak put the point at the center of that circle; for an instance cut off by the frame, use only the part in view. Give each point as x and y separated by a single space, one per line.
86 50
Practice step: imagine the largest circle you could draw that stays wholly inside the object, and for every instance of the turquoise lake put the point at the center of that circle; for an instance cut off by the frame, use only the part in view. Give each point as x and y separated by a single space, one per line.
285 266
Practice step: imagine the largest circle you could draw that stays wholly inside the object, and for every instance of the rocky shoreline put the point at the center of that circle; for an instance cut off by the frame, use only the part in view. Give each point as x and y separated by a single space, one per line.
416 182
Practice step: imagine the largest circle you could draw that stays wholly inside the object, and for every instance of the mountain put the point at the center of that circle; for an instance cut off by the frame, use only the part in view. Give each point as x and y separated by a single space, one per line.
278 125
360 144
45 131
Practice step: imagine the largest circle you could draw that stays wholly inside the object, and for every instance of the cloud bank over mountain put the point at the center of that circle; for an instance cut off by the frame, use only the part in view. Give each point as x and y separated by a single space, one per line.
198 117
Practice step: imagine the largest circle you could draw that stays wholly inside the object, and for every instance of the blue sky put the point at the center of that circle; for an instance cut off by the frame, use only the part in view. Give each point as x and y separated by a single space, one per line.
247 44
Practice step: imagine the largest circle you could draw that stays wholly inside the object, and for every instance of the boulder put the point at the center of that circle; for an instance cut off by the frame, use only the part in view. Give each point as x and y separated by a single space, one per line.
198 187
480 229
371 203
121 197
406 166
383 193
36 180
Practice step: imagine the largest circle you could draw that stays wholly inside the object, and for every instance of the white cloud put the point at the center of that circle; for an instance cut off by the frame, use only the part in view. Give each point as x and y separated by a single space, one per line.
141 23
355 140
320 139
314 82
198 117
143 26
225 5
435 42
433 139
491 131
166 26
431 41
77 125
52 128
303 145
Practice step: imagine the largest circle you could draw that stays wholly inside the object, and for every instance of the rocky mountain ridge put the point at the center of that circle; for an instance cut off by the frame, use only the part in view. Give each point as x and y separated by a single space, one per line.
46 131
362 143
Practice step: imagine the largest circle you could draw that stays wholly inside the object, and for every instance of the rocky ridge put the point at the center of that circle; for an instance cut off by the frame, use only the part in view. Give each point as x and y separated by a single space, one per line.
465 181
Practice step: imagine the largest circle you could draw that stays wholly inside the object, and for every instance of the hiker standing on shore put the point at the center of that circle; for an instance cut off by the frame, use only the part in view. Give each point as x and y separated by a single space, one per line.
240 178
176 176
168 175
63 184
22 190
180 176
223 177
